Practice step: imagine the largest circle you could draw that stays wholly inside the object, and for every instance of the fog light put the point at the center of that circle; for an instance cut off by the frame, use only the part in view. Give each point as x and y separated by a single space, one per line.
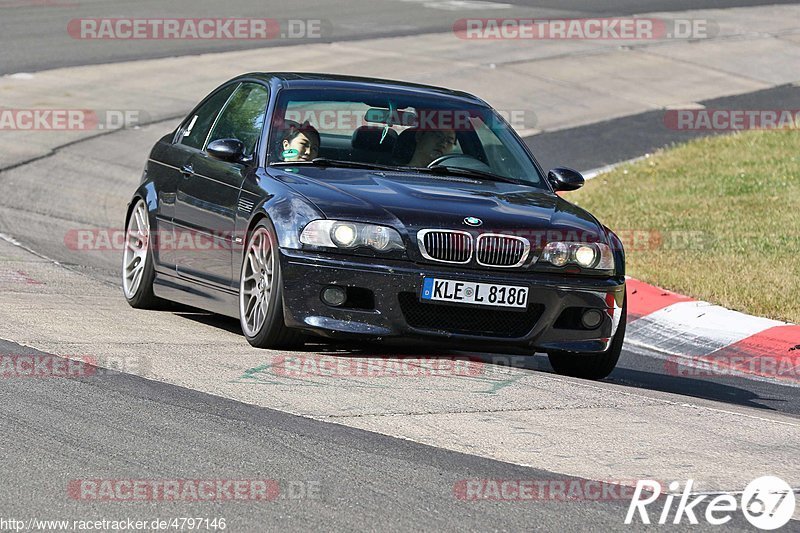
591 318
334 296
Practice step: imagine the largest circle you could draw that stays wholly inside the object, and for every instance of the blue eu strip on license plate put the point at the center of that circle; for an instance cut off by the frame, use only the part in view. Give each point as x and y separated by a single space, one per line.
466 292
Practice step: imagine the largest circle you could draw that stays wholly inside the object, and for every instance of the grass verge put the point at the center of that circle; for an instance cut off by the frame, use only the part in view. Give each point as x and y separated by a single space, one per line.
717 219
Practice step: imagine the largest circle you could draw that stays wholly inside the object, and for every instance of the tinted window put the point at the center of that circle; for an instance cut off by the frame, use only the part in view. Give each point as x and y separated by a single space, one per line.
243 118
503 158
405 130
195 129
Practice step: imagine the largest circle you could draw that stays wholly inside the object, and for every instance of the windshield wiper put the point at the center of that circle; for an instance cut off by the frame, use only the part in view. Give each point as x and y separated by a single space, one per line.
471 173
325 162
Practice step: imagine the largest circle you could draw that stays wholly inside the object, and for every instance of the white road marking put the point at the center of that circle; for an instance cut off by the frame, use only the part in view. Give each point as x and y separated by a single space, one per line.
459 5
21 76
591 174
11 240
690 105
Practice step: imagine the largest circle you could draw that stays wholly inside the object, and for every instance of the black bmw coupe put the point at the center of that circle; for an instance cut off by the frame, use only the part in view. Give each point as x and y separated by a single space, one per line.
355 207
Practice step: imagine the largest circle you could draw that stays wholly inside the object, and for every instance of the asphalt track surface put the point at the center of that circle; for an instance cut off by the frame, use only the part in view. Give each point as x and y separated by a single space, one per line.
34 36
116 424
330 476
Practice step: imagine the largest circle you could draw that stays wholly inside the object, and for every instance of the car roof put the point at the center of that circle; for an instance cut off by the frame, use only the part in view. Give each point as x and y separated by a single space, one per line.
313 80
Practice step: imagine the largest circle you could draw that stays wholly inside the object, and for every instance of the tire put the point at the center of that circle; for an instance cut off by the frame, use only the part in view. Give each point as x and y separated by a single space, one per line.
261 292
137 260
592 365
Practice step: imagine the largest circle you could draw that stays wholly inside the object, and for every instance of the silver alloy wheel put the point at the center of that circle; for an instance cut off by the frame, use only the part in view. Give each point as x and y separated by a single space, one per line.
137 246
255 287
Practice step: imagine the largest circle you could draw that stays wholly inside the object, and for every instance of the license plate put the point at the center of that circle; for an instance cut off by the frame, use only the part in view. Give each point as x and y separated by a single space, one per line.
465 292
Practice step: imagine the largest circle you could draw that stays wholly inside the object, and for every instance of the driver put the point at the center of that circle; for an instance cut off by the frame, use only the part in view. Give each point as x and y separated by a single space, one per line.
431 145
300 143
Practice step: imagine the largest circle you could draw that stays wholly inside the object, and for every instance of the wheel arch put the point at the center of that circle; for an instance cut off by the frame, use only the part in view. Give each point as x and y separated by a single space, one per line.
146 192
287 210
618 249
288 215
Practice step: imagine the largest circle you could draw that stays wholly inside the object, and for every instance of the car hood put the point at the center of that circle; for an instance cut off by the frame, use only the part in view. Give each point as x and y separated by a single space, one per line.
416 201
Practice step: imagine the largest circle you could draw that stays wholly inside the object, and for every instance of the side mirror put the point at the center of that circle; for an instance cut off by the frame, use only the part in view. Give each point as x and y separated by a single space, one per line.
565 179
226 149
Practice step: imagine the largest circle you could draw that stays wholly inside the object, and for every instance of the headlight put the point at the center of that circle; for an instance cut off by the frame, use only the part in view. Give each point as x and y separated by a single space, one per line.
586 255
344 234
556 253
349 235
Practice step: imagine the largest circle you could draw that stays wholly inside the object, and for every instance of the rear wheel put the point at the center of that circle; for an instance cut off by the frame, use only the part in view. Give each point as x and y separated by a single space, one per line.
137 260
592 366
261 292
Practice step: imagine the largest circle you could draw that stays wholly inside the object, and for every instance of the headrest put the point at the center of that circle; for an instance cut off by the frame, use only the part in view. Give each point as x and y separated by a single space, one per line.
405 146
369 138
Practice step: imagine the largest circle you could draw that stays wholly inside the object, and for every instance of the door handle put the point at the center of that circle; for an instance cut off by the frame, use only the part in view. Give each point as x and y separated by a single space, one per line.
187 170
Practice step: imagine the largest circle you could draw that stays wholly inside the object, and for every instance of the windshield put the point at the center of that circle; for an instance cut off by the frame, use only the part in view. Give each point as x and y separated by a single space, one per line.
397 130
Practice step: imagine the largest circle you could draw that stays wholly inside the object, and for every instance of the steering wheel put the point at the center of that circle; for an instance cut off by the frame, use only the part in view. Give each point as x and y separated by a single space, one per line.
460 161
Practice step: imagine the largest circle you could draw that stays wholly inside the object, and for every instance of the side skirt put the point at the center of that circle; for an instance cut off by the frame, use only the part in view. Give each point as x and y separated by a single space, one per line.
196 295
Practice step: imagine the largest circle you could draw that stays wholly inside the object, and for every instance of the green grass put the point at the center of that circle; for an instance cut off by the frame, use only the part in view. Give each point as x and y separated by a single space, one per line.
728 212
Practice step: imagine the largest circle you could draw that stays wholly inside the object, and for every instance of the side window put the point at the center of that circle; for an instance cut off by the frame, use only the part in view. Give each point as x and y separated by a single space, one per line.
243 117
195 128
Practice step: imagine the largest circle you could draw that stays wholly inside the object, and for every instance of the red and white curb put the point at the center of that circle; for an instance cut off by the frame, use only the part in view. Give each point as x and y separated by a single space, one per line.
699 339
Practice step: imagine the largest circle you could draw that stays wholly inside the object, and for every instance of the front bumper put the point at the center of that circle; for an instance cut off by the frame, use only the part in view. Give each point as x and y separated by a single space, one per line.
398 313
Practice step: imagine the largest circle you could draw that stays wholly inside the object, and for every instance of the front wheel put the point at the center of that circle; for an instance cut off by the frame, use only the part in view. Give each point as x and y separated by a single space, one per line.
261 292
137 260
592 366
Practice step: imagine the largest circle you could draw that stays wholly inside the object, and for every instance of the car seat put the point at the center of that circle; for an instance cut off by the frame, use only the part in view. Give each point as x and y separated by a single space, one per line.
370 145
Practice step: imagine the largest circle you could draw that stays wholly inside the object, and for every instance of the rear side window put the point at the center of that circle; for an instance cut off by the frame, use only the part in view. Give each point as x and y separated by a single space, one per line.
195 129
243 117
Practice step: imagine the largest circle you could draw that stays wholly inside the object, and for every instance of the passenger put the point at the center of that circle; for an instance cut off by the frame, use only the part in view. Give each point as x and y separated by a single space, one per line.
300 143
431 145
